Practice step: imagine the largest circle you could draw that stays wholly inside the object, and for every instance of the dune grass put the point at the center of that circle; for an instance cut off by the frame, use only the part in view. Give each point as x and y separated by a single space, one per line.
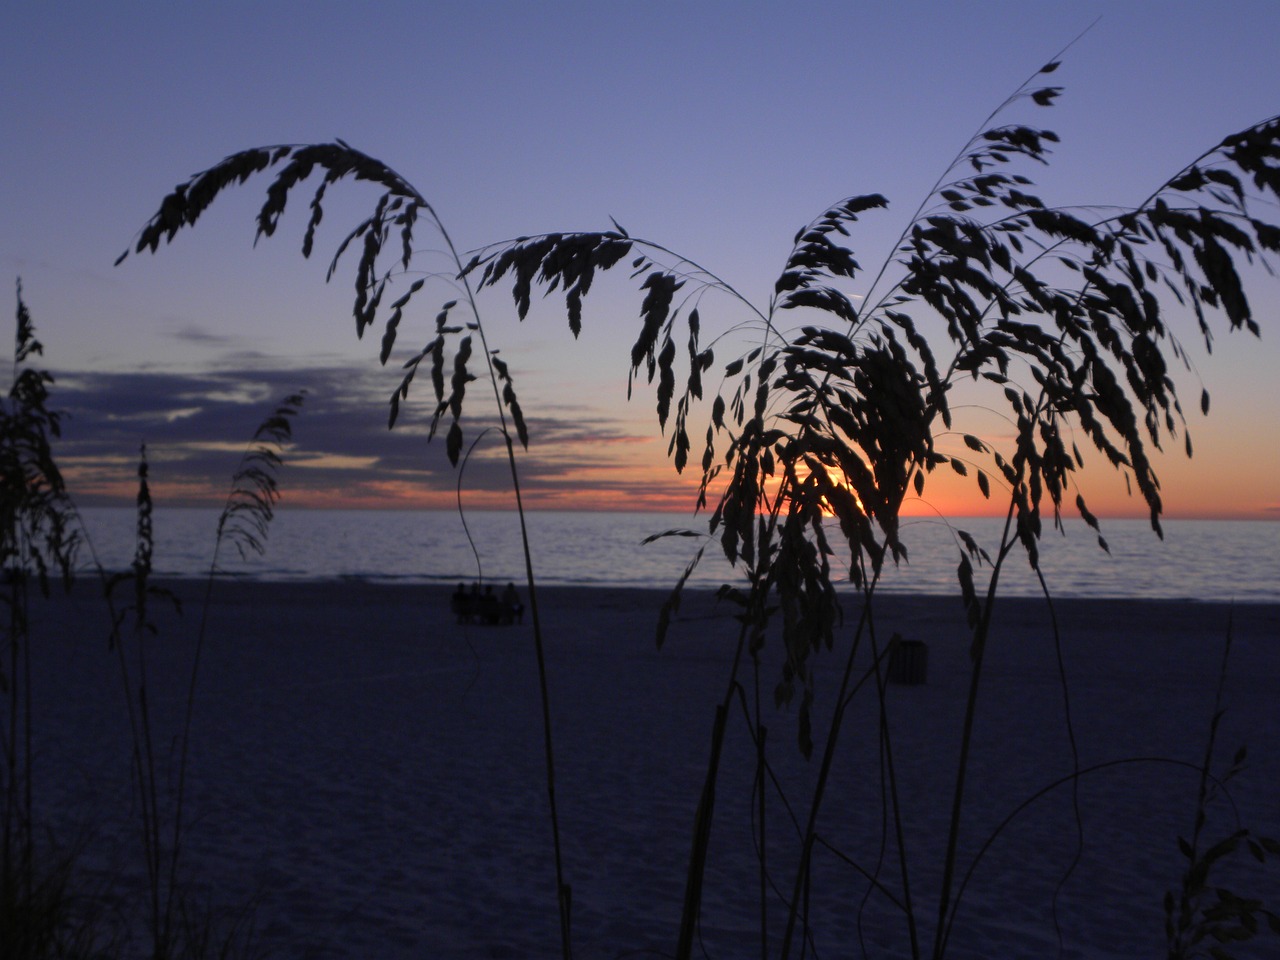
1065 317
47 908
817 432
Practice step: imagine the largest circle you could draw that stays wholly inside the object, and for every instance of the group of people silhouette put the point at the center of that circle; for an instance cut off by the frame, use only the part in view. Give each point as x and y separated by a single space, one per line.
485 606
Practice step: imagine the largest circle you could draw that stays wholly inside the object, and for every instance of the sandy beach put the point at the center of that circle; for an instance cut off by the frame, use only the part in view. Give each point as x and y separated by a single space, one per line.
367 774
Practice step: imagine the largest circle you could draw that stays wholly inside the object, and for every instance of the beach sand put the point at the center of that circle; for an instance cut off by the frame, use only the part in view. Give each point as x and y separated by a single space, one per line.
368 775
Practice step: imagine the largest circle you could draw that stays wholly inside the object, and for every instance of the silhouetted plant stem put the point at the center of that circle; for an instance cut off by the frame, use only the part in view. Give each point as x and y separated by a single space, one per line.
184 739
147 776
27 747
978 653
244 521
117 644
755 719
1182 928
162 896
564 893
705 810
33 518
1206 768
701 838
17 872
824 771
1076 812
1070 779
762 733
895 801
462 513
18 809
17 879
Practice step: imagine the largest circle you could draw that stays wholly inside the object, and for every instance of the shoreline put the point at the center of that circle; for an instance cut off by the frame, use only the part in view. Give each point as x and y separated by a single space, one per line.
190 586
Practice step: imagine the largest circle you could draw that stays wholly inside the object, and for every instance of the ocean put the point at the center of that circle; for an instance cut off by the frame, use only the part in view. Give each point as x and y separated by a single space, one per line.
1197 560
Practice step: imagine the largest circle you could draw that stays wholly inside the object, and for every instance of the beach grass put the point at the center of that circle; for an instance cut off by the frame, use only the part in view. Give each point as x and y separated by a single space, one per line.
835 809
42 902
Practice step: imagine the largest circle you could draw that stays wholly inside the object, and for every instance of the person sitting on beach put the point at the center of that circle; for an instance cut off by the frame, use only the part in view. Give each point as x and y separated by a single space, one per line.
490 609
461 604
512 608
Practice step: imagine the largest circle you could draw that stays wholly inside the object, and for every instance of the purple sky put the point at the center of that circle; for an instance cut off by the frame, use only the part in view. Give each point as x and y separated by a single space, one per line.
715 128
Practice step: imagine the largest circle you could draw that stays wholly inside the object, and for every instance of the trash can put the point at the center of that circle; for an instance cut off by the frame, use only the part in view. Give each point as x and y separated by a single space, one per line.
909 662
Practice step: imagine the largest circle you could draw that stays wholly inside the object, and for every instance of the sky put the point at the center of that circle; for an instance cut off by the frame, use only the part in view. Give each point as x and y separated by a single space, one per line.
715 128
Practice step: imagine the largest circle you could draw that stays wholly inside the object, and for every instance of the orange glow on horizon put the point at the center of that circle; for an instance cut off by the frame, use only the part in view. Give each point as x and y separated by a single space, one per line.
1190 489
383 497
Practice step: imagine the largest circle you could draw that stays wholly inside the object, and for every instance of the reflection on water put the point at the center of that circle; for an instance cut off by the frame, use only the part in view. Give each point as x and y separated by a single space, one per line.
1203 560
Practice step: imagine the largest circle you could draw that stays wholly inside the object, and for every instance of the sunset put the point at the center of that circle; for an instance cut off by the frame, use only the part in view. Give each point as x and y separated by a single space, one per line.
699 480
188 348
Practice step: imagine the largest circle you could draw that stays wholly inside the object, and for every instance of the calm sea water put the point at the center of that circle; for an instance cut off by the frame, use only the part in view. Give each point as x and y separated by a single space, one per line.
1200 560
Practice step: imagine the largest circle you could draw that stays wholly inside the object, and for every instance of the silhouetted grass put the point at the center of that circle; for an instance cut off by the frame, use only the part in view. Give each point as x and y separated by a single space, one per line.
835 406
35 518
47 909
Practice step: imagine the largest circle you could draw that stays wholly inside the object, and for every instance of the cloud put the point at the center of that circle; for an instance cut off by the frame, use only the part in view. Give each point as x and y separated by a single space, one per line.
193 334
196 425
